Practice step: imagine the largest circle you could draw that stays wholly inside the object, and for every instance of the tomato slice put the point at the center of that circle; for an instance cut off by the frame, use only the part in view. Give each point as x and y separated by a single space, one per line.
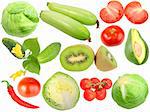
135 13
112 13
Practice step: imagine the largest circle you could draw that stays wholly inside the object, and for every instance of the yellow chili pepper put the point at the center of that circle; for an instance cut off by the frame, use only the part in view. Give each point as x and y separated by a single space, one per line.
17 74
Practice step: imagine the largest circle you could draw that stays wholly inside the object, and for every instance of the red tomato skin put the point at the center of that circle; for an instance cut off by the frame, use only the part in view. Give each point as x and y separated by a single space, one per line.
112 36
101 94
95 81
89 95
112 13
29 87
85 83
108 83
135 13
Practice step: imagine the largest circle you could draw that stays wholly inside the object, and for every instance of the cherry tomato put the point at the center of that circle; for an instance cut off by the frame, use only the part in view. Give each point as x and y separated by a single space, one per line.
107 83
85 83
89 95
112 13
101 94
94 82
135 13
112 36
29 87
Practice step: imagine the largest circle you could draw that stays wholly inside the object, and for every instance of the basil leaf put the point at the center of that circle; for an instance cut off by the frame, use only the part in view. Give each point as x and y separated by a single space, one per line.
32 65
33 45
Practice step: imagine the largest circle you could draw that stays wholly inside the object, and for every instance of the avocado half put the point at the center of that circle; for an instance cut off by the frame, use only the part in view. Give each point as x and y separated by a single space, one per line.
136 49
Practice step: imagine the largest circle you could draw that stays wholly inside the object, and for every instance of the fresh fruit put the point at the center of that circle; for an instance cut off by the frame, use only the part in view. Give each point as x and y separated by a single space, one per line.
130 91
89 95
107 83
101 94
49 53
66 24
81 15
14 47
61 91
95 82
19 19
104 60
136 49
29 87
94 88
135 13
85 83
112 36
112 13
77 57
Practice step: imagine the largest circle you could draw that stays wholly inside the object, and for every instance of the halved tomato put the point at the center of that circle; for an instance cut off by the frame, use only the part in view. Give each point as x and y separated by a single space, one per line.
135 13
112 13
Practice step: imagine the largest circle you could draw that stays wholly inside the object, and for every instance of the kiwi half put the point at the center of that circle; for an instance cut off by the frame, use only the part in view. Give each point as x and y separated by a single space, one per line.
77 57
104 60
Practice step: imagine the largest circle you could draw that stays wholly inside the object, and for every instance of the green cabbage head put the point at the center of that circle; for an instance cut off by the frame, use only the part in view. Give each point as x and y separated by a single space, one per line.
130 91
19 19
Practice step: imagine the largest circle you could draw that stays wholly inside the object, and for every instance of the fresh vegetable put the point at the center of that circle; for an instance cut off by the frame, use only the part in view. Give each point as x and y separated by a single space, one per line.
14 47
136 49
130 91
85 83
33 45
101 94
17 74
17 99
104 60
49 53
112 13
84 16
77 57
89 95
107 83
66 24
32 65
95 82
19 19
112 36
29 87
135 13
61 91
94 88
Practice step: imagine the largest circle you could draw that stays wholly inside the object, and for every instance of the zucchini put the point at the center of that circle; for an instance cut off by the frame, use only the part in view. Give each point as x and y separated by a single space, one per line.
66 24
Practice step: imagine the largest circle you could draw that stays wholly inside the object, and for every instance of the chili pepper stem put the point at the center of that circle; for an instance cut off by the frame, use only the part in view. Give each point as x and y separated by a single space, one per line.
6 82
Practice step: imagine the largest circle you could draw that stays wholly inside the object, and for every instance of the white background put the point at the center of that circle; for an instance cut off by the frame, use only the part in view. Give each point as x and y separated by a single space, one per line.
47 34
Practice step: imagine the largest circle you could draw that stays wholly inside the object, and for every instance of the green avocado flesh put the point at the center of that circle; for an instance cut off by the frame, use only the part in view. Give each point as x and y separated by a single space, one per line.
61 91
130 91
136 49
104 60
77 57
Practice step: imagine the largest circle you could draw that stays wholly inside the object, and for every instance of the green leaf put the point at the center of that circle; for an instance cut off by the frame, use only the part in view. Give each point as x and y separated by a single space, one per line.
49 53
32 65
33 45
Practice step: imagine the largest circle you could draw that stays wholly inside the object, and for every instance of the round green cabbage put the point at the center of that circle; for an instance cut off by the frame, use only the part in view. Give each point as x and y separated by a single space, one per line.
130 91
19 19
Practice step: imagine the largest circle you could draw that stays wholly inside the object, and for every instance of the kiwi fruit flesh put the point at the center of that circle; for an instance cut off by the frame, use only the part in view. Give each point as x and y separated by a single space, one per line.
104 60
77 57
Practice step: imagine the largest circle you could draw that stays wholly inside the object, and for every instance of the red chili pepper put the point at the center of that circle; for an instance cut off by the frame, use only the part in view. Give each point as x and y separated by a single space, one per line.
16 98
